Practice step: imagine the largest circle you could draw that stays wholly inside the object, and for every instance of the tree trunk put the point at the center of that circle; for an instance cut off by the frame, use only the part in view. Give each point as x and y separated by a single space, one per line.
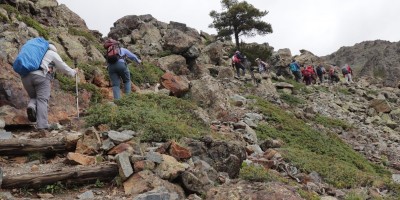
77 175
237 40
12 147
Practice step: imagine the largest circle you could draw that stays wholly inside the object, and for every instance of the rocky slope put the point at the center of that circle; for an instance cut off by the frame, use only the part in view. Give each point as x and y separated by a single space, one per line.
248 121
376 59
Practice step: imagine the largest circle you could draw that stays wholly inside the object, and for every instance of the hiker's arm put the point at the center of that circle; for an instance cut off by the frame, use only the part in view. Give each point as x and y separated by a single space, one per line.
61 65
130 55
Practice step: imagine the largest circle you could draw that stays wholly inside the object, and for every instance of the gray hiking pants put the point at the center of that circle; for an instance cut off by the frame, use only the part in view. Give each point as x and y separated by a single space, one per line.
38 89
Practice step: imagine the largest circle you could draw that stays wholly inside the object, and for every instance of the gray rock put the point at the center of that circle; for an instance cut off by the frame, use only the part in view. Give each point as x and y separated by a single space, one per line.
136 158
154 157
396 178
160 193
4 135
238 100
2 123
86 195
250 135
6 196
200 178
119 137
124 165
107 145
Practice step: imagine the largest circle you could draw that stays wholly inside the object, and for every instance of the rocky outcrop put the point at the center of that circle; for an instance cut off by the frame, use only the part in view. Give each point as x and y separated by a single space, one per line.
374 59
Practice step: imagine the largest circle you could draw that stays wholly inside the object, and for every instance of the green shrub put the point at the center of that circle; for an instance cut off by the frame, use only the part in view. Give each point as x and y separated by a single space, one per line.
69 84
10 9
291 99
157 117
145 73
344 91
312 150
330 122
79 32
254 173
165 53
3 18
56 188
252 51
308 195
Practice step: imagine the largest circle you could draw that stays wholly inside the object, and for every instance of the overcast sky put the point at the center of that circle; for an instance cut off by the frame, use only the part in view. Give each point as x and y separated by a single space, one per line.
320 26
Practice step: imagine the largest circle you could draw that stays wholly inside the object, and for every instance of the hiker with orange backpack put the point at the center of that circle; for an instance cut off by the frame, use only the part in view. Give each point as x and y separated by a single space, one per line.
117 67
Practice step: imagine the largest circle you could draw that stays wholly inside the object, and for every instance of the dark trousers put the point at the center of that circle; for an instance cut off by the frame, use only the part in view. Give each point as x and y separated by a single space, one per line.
238 67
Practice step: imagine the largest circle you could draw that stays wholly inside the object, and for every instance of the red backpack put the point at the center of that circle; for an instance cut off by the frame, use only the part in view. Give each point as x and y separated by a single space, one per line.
113 50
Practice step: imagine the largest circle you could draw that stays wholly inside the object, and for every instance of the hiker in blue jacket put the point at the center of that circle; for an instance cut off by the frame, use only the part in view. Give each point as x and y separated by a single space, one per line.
295 68
120 69
37 85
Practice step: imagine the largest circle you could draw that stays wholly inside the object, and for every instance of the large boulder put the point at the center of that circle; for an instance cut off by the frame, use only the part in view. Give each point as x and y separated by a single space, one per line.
173 63
177 41
177 85
221 155
210 94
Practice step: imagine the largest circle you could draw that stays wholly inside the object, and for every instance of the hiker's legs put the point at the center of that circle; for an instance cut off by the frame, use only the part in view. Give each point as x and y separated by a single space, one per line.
30 89
350 78
237 69
116 71
243 68
38 89
43 88
126 78
112 72
346 77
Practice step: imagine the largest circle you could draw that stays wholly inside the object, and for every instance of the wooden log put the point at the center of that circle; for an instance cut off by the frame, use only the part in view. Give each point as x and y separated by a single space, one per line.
77 175
13 147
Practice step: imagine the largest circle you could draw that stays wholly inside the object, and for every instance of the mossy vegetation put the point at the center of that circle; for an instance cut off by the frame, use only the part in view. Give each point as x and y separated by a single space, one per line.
83 33
89 36
331 122
165 53
255 173
68 84
291 99
145 73
310 150
156 117
3 18
34 24
27 20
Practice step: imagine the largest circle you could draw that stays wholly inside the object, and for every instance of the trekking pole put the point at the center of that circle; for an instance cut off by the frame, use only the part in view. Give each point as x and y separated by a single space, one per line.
76 89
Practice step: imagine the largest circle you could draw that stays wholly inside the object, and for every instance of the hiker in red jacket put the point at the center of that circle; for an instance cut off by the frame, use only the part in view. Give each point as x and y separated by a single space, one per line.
308 74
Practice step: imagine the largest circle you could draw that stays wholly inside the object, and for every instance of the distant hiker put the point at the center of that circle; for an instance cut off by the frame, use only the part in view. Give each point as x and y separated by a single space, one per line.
117 67
320 72
347 73
238 60
333 74
37 81
295 69
262 66
308 74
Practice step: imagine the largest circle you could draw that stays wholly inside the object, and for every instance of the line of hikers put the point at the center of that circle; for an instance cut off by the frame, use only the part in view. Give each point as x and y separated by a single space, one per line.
240 62
309 74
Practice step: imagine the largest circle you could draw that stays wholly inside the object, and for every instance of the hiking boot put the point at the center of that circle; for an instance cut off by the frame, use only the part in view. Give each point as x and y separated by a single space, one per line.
31 114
